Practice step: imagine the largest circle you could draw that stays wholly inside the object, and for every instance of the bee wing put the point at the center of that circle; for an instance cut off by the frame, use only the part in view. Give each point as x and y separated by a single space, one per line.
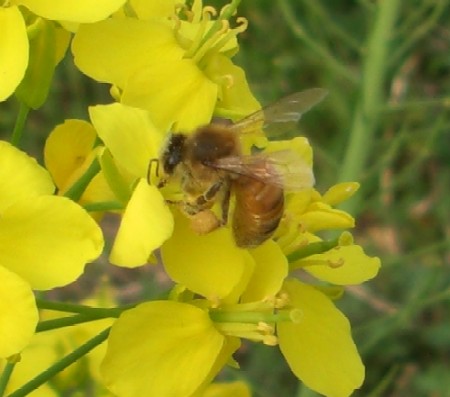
284 168
282 115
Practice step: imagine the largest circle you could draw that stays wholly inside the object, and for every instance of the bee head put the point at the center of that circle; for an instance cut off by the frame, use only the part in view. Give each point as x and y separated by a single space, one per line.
173 153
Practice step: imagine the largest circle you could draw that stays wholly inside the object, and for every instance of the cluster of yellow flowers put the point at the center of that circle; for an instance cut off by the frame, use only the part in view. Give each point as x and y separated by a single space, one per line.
170 69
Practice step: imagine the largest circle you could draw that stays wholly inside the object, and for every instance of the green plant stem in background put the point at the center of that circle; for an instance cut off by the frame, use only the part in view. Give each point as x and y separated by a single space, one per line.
424 27
365 118
20 124
329 60
61 365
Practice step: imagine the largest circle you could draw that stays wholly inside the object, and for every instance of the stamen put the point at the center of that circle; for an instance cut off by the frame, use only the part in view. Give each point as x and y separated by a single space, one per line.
176 27
282 300
182 8
270 340
335 264
265 328
207 45
242 26
248 331
208 12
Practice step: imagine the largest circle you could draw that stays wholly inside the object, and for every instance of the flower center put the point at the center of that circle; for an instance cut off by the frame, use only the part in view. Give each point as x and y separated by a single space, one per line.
211 35
254 321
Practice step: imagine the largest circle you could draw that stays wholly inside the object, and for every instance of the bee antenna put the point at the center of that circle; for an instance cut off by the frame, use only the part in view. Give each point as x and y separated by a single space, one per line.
149 170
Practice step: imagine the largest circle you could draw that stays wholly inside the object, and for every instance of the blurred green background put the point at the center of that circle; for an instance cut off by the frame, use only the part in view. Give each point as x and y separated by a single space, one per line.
386 124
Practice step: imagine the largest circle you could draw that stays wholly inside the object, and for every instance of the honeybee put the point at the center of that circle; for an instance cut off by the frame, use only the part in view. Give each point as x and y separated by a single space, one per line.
211 166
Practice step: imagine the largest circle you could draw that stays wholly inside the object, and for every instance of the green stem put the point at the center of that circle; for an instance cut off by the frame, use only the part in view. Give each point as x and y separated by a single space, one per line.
312 249
61 365
20 124
418 32
78 188
6 375
329 60
418 104
366 116
62 306
103 206
223 316
76 319
81 309
329 23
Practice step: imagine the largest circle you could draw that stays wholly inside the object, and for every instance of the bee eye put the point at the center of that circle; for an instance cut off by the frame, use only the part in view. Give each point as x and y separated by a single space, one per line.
173 154
172 160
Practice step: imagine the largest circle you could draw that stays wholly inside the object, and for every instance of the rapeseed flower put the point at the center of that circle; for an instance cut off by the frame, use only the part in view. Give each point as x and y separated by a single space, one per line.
247 295
45 243
132 139
30 35
177 69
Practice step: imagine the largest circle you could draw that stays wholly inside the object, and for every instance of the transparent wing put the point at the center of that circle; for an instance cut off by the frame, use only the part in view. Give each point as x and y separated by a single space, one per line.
284 168
281 116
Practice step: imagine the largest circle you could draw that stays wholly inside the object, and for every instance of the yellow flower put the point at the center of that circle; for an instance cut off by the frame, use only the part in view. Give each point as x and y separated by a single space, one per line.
46 348
68 154
52 233
133 141
46 45
18 313
318 345
178 70
231 389
247 296
164 348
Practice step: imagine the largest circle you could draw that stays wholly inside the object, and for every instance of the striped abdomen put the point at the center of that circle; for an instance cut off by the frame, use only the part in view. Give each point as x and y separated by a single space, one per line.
259 208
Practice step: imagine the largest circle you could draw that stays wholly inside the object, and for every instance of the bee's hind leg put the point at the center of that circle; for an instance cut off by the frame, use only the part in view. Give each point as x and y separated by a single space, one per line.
225 205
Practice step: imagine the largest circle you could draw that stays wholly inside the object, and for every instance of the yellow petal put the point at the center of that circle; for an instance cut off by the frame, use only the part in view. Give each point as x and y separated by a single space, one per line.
320 216
48 240
342 265
112 50
173 91
231 389
161 348
146 224
210 265
97 191
146 10
340 192
18 313
72 10
129 134
21 176
13 50
66 149
235 98
271 268
319 348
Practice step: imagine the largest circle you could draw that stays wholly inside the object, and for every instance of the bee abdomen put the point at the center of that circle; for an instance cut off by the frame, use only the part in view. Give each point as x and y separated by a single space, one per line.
259 208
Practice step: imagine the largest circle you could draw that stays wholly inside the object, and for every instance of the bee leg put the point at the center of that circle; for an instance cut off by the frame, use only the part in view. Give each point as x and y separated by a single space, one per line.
204 222
225 206
208 195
